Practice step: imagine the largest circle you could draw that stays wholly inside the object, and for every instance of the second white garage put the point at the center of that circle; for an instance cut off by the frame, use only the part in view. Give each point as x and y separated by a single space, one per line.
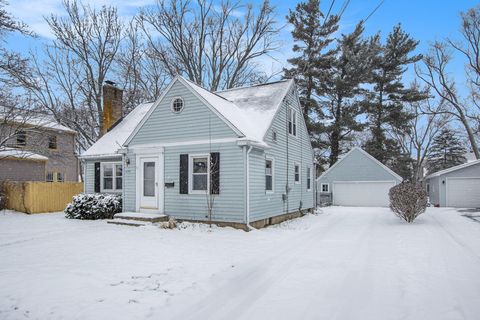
357 179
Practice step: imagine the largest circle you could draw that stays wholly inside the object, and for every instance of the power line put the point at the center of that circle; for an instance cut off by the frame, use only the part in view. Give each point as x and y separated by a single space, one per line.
374 10
344 7
329 10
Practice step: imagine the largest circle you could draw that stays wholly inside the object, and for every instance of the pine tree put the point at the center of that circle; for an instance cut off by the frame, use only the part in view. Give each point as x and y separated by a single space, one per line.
446 151
313 35
384 104
340 87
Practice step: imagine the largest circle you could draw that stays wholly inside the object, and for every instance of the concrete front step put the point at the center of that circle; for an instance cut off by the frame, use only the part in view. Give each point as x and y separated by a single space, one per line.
139 216
129 222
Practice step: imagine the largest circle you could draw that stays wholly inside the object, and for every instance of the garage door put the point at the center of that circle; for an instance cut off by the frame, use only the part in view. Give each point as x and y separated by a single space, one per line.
362 194
463 192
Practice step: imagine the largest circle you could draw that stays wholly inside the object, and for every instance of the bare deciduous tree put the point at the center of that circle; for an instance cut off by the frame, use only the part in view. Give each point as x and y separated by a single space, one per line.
436 75
214 46
422 128
68 83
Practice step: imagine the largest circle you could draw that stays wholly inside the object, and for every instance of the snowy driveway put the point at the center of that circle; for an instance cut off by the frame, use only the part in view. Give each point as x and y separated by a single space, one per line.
346 263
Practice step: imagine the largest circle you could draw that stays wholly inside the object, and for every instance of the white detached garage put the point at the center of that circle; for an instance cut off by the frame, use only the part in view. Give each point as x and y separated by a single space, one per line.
457 187
357 179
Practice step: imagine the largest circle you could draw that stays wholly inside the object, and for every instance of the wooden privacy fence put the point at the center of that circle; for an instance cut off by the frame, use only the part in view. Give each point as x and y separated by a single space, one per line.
36 197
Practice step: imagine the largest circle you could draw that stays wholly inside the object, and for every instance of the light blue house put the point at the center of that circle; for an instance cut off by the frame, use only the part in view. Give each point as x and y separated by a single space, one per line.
357 179
458 186
247 149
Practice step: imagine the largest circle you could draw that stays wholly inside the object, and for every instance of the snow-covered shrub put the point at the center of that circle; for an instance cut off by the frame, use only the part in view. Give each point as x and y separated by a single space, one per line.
408 200
87 206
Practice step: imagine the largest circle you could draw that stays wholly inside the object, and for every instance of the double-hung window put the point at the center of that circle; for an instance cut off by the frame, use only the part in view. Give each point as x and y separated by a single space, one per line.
112 176
269 175
21 136
292 121
199 173
297 173
60 177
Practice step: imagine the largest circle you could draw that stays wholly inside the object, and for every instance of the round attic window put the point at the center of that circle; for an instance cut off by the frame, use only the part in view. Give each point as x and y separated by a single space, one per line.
177 105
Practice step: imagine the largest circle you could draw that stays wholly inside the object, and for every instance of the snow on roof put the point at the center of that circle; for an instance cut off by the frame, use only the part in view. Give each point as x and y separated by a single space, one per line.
20 154
109 143
258 104
37 120
465 165
248 110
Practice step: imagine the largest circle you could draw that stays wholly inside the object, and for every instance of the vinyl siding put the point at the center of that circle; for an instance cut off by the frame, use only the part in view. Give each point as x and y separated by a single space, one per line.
356 167
89 172
228 205
438 195
195 122
264 205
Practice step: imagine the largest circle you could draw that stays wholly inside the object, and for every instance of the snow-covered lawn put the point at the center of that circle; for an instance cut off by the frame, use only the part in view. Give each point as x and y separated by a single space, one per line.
345 263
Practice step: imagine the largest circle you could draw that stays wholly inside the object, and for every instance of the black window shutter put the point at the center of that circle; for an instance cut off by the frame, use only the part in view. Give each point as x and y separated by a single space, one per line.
183 174
97 176
215 173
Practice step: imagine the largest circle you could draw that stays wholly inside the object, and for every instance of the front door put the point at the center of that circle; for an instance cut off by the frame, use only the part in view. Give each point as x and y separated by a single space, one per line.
149 184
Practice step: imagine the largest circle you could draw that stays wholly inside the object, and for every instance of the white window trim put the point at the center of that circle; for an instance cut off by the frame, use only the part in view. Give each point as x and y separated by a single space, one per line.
325 184
299 173
273 175
114 176
311 180
190 173
171 105
294 120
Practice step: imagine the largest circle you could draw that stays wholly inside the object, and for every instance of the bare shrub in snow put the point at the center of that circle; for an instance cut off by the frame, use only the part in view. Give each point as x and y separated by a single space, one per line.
170 224
408 200
93 206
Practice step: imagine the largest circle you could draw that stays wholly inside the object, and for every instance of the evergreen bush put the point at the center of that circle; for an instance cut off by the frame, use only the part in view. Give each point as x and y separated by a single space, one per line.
87 206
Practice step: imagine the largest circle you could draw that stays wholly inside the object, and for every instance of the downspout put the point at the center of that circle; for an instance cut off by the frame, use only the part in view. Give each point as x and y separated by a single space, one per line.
246 157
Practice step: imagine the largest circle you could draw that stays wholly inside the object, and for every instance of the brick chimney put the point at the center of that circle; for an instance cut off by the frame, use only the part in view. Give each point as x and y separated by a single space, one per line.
112 106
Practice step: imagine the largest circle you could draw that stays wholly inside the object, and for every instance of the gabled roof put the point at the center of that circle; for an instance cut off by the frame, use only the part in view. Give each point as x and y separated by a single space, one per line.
452 169
259 104
366 154
110 142
35 120
249 111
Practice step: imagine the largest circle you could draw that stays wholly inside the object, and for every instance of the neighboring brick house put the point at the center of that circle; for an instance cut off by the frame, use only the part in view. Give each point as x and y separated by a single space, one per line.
37 149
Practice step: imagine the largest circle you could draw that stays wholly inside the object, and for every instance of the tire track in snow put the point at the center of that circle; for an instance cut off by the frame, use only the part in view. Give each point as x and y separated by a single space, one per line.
252 283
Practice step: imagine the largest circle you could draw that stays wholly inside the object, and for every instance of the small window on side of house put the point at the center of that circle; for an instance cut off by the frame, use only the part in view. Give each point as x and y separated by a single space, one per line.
274 135
292 122
297 173
21 138
309 178
52 142
269 175
49 176
325 187
428 187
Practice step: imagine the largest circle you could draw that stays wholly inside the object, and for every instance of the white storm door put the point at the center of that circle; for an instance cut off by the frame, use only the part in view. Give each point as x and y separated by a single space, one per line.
149 183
